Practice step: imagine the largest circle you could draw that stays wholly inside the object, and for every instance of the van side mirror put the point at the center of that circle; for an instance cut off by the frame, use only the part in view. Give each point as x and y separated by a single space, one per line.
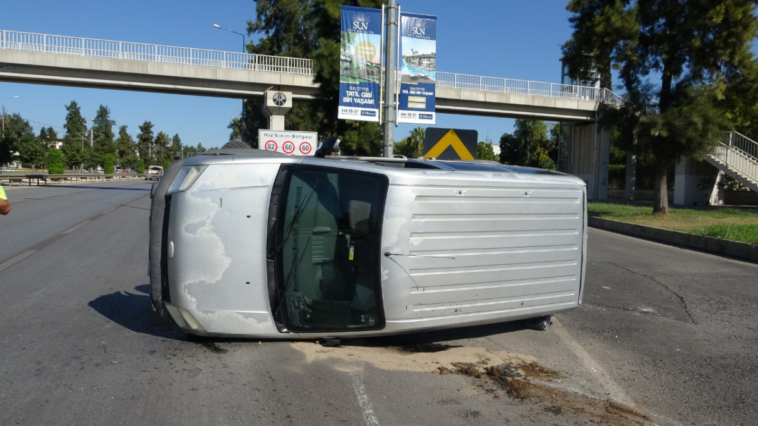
330 145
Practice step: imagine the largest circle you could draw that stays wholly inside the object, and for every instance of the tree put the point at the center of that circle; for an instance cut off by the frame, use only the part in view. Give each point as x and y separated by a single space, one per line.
308 29
124 144
14 128
108 164
176 147
484 151
102 125
54 162
529 145
200 148
145 141
141 166
76 128
413 145
161 147
31 151
699 55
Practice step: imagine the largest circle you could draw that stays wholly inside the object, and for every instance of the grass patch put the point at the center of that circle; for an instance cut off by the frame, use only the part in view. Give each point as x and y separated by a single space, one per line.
728 224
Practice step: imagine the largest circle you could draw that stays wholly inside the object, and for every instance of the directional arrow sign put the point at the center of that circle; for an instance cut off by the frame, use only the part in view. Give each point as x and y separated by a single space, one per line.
450 144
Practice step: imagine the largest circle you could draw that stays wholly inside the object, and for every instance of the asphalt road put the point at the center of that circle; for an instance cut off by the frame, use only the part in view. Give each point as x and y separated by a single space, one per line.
670 332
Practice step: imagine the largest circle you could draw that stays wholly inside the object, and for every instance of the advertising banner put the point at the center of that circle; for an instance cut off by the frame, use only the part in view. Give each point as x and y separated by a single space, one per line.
360 63
418 51
288 142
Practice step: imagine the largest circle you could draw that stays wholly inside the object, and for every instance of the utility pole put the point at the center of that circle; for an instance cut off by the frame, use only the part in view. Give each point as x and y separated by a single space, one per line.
389 79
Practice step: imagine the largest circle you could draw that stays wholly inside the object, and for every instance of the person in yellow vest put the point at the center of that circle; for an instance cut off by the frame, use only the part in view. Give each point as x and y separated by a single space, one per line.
5 206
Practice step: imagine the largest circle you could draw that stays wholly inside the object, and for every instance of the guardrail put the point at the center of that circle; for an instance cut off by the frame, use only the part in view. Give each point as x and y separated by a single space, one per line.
143 52
46 178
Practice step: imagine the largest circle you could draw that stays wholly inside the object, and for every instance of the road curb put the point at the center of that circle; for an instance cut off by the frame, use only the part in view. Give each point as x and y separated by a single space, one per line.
735 249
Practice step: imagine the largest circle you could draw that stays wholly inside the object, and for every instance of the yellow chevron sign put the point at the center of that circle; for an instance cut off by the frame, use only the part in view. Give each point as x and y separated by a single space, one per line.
437 142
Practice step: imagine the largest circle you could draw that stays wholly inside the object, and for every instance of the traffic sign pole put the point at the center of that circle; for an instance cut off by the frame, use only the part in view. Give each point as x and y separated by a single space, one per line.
389 78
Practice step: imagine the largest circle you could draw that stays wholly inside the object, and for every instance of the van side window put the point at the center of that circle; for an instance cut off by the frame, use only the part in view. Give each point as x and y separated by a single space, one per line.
329 242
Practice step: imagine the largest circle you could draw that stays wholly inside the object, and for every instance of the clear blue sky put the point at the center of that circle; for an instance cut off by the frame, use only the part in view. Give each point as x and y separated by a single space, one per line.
485 37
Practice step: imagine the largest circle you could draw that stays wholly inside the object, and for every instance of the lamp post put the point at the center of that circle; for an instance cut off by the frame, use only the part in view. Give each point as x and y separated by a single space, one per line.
3 112
244 50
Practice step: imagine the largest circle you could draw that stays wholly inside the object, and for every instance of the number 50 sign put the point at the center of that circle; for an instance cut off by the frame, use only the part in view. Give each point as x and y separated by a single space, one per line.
288 142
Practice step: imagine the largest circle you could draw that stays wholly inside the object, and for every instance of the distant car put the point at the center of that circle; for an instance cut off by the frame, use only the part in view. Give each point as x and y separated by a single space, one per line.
7 170
154 172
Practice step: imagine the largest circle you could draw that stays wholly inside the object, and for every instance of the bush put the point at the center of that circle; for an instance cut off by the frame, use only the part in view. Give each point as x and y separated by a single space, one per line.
166 165
108 163
54 162
141 166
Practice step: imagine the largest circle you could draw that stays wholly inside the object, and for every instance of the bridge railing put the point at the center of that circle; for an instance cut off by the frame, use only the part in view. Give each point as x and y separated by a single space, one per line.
143 52
525 87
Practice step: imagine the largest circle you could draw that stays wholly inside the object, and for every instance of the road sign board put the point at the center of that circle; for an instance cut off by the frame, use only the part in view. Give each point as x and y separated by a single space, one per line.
450 144
288 142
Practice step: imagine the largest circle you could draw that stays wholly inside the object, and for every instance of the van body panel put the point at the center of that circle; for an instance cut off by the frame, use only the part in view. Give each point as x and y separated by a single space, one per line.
459 248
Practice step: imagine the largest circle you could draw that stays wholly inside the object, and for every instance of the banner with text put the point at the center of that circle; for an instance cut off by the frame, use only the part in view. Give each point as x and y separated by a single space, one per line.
360 63
418 50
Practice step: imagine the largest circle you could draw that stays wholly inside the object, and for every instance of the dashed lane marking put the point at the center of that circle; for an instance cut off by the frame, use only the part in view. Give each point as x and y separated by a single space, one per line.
8 263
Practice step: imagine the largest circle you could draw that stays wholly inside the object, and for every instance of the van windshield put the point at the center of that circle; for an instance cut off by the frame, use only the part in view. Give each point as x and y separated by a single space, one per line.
329 243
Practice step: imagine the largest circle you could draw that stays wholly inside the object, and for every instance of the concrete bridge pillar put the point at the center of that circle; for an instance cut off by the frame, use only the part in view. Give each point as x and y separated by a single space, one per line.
276 105
694 183
589 156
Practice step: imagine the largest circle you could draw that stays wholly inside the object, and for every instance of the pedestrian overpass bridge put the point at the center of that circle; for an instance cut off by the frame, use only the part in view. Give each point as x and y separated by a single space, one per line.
107 64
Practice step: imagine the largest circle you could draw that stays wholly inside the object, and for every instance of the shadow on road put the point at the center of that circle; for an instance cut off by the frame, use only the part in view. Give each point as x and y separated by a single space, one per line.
133 311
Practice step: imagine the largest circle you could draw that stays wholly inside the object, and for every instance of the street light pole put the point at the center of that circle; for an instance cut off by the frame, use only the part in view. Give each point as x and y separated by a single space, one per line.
244 50
389 85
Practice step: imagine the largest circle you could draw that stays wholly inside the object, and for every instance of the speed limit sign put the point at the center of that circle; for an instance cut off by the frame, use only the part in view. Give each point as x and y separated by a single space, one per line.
305 148
288 142
288 147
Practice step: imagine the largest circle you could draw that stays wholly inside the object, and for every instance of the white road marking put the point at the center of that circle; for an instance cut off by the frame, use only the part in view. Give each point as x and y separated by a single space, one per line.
8 263
70 230
614 390
365 404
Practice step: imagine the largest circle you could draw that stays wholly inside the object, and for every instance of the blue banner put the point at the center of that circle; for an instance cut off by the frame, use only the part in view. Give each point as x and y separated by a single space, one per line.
360 63
418 51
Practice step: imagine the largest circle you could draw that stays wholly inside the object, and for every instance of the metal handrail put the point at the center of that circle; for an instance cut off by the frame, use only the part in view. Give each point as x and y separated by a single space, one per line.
143 52
737 152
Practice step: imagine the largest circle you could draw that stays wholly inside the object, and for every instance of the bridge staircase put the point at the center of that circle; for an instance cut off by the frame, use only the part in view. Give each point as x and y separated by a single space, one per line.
737 156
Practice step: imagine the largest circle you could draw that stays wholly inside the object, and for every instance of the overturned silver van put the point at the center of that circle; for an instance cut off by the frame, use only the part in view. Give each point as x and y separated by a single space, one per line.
251 243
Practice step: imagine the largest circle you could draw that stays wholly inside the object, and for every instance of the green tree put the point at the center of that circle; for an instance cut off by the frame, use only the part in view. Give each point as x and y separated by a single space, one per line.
698 52
161 147
31 151
108 164
102 125
529 145
308 29
484 151
145 142
141 166
176 147
412 146
55 162
200 148
14 129
124 144
76 127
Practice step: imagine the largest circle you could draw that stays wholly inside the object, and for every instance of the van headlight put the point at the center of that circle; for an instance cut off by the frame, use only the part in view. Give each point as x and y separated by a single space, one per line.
185 178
